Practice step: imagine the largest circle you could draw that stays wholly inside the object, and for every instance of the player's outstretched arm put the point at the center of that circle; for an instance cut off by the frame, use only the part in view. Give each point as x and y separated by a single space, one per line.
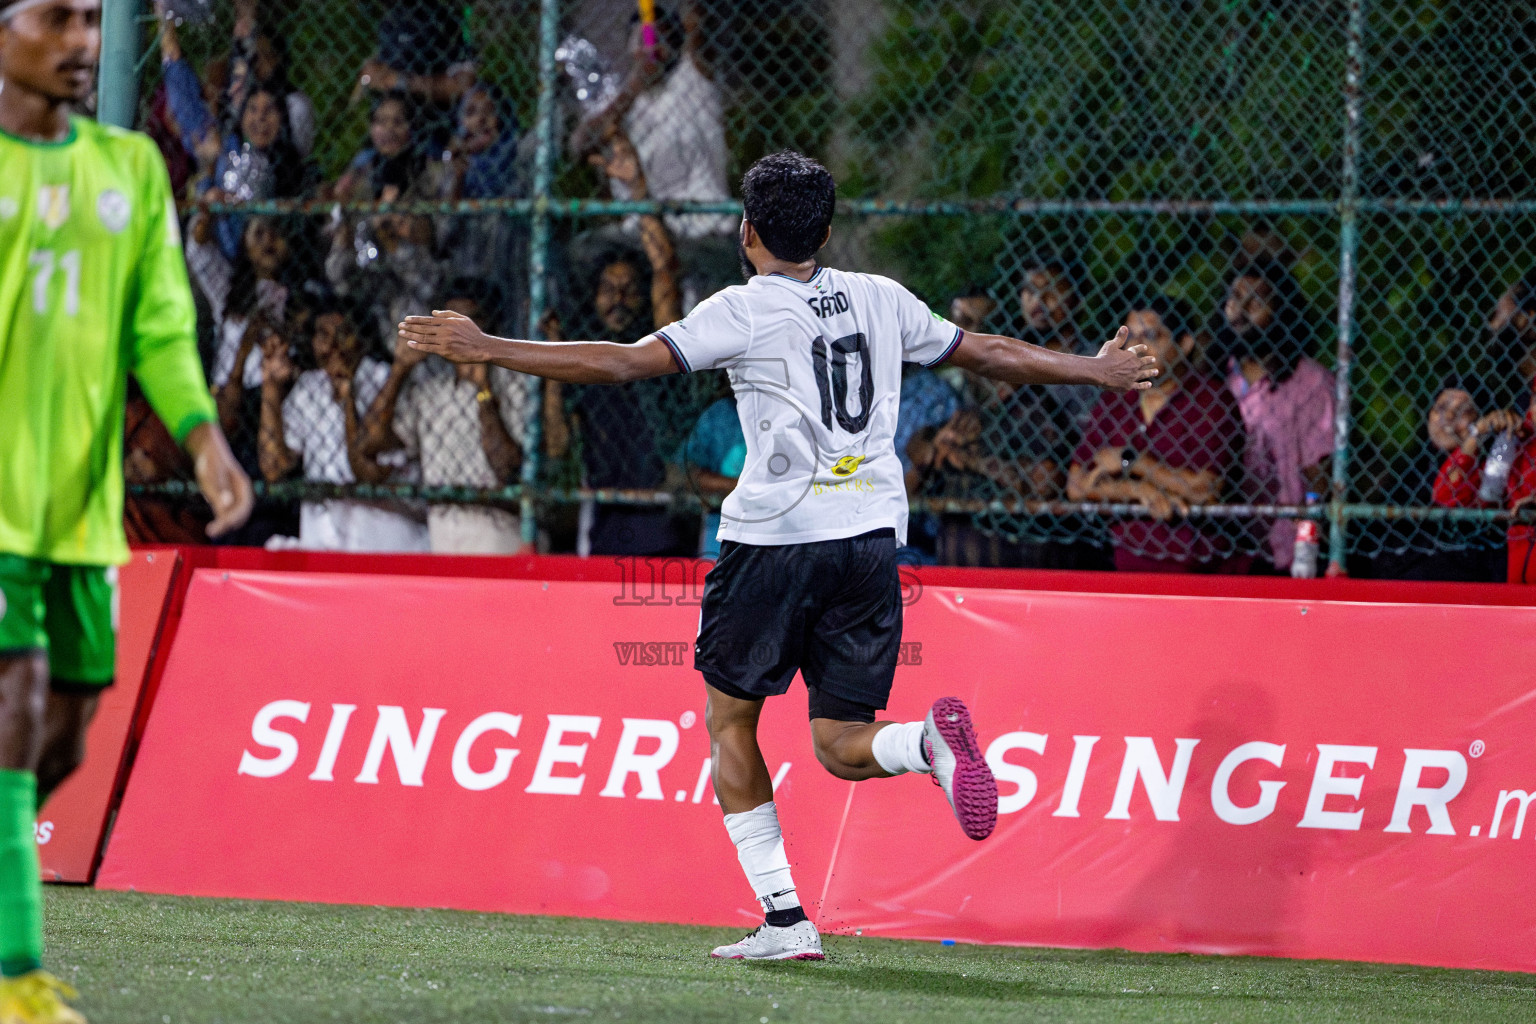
1117 367
220 478
457 339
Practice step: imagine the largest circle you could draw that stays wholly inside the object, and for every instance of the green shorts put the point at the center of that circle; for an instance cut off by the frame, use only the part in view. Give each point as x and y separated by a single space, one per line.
68 611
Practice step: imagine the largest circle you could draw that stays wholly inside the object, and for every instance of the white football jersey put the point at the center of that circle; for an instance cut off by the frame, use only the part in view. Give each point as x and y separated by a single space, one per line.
816 368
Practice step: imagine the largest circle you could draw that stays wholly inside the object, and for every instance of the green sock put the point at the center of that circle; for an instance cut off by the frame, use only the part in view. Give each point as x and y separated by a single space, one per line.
21 886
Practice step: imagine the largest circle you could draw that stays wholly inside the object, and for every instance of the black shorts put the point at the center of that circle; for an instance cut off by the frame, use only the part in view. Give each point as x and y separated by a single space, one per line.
829 609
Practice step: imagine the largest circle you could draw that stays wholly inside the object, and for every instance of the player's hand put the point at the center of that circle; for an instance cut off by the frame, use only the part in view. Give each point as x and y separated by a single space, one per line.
448 334
220 479
1124 367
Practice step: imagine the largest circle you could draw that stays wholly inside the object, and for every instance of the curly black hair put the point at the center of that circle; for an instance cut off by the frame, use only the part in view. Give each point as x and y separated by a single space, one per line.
1288 339
788 199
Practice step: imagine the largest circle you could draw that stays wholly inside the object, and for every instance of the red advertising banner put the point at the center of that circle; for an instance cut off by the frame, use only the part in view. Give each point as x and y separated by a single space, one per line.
1284 776
1294 778
506 745
69 829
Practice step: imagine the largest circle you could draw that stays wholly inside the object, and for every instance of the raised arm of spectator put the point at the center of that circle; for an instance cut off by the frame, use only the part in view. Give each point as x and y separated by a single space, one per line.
379 425
242 64
183 91
503 453
443 87
557 428
1118 366
365 467
645 71
227 396
621 163
693 39
277 377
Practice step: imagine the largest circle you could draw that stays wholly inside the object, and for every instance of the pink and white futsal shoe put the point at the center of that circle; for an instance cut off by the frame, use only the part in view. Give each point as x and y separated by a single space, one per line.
958 767
799 941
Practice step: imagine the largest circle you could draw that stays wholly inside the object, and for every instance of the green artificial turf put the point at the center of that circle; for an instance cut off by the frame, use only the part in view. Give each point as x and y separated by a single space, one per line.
160 959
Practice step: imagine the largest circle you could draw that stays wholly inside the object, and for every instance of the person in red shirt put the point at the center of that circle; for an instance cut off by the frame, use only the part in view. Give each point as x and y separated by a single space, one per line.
1461 474
1167 447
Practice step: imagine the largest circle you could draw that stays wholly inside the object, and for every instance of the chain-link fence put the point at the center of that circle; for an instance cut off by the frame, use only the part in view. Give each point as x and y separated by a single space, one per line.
1317 212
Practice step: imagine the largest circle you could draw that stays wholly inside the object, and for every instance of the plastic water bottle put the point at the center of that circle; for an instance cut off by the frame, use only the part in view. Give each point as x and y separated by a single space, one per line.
1304 554
1501 459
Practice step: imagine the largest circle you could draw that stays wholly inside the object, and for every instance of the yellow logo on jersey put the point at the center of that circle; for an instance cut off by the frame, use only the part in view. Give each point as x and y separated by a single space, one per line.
53 206
847 465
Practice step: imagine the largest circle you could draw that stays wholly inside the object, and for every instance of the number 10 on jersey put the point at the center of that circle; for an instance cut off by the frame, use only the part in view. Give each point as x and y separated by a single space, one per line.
832 381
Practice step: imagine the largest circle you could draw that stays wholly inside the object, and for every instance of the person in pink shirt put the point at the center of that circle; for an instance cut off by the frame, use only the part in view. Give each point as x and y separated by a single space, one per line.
1285 396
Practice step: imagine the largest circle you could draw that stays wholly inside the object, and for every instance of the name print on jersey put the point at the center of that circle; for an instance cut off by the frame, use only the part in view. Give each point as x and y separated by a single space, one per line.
828 305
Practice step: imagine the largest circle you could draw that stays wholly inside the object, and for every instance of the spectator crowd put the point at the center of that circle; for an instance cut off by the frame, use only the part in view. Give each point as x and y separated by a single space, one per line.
351 430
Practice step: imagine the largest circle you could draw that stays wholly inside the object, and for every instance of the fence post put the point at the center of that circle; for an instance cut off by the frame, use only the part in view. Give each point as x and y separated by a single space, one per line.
1349 243
538 256
117 82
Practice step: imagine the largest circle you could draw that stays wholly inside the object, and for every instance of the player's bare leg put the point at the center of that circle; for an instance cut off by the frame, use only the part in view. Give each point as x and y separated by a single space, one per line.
745 791
66 720
846 749
23 698
738 770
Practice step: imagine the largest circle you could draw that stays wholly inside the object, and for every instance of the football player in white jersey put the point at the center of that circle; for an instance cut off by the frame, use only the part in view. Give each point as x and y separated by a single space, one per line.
807 577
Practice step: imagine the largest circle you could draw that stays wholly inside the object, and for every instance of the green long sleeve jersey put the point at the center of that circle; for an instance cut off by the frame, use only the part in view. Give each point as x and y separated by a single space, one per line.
93 286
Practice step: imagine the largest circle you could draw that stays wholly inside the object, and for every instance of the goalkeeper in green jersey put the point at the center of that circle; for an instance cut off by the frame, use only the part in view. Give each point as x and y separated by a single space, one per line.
92 287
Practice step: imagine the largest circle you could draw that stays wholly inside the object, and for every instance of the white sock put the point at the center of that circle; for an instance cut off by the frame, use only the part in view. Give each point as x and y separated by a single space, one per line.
899 749
760 848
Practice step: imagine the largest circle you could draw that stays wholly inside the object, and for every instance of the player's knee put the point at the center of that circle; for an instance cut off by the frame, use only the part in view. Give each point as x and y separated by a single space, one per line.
725 717
23 709
828 752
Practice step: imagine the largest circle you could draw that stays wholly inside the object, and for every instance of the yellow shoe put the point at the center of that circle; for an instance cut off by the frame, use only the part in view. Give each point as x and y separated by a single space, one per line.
37 997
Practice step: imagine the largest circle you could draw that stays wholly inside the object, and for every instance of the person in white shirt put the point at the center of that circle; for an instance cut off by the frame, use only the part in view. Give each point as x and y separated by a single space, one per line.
316 418
674 115
465 425
807 577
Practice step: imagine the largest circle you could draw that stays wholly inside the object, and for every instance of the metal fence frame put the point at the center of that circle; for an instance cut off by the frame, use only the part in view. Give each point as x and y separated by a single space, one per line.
118 90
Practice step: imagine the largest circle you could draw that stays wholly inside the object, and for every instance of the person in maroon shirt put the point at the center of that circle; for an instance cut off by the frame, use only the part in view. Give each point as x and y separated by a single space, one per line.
1166 448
